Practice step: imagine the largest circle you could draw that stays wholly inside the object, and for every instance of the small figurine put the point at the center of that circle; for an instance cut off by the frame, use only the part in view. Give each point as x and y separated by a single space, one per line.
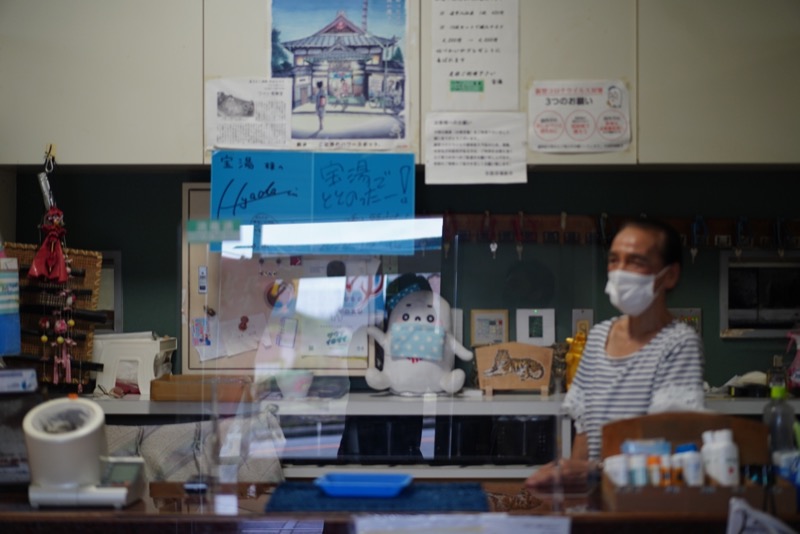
419 349
573 357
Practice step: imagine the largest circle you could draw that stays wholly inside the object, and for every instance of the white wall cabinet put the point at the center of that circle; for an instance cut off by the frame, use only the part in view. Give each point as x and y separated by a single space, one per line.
236 41
107 81
236 38
565 40
237 44
120 82
117 82
719 81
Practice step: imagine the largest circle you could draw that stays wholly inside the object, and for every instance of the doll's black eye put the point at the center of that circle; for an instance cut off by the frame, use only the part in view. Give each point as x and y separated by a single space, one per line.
431 318
405 316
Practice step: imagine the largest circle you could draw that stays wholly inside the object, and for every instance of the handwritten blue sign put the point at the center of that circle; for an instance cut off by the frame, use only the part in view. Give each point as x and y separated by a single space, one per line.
353 187
261 187
267 187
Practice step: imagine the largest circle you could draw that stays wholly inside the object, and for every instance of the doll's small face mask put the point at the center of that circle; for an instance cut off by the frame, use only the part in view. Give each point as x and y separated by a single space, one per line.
417 340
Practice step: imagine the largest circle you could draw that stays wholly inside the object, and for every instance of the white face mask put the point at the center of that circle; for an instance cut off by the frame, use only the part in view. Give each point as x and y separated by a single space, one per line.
632 293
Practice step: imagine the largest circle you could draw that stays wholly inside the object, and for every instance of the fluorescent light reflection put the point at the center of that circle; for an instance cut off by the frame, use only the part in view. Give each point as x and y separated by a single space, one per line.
243 248
320 298
350 232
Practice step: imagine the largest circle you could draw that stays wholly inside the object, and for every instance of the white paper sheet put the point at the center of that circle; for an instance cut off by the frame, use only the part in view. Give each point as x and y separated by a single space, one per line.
211 346
579 116
490 523
248 113
475 148
240 336
474 55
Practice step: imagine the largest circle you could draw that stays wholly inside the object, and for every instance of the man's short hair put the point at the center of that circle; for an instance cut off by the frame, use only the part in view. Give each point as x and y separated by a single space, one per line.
671 248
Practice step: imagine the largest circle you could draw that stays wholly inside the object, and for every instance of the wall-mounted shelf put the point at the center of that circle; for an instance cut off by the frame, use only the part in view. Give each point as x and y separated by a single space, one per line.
529 228
354 404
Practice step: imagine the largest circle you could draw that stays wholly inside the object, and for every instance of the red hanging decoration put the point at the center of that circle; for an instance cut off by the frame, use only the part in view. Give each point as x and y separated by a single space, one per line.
49 262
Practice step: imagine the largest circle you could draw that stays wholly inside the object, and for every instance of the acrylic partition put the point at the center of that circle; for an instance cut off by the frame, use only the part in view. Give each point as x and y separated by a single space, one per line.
356 343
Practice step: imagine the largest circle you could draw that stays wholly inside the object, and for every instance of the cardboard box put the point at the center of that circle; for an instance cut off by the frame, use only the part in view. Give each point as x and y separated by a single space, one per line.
201 388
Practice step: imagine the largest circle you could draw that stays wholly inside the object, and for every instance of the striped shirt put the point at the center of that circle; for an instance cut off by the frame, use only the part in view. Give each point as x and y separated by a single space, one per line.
666 374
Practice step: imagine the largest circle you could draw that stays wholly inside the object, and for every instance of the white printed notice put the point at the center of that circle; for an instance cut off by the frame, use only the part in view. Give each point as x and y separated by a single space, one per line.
475 148
579 116
248 113
474 55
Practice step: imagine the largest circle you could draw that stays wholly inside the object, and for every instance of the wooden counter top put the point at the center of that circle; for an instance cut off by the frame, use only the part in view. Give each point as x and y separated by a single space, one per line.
167 509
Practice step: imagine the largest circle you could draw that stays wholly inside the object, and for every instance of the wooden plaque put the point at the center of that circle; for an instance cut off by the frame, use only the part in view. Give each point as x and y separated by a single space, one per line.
513 366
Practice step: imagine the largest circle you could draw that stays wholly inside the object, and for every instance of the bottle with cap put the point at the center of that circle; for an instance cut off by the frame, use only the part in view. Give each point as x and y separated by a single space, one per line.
794 369
637 469
706 450
777 375
723 459
666 470
654 470
691 464
779 417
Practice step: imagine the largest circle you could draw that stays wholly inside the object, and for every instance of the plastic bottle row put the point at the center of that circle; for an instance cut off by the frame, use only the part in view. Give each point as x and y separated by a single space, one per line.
653 463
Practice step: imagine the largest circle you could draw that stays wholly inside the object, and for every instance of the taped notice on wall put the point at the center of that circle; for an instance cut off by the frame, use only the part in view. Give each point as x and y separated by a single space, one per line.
575 116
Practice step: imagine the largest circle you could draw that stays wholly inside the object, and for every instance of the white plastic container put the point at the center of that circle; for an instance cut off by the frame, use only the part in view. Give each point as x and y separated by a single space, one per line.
705 450
616 467
637 464
723 459
676 470
666 470
691 464
654 469
65 439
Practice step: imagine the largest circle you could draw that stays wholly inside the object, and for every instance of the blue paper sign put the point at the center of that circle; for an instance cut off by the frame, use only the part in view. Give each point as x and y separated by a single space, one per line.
266 187
10 343
353 187
261 187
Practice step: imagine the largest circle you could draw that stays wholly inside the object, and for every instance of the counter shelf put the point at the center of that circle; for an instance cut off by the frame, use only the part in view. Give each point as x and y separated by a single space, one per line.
321 414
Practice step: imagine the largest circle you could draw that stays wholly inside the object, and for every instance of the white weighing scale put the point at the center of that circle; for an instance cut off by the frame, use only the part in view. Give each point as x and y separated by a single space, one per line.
66 454
121 484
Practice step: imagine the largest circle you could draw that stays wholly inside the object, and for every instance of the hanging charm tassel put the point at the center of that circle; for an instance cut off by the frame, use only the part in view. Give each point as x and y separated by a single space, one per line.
65 361
518 236
56 360
489 229
80 376
448 233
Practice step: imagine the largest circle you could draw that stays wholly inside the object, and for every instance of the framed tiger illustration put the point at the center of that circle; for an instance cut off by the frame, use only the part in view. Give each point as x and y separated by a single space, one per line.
514 366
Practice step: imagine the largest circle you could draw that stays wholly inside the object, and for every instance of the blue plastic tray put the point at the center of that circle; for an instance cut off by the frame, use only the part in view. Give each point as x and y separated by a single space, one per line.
363 484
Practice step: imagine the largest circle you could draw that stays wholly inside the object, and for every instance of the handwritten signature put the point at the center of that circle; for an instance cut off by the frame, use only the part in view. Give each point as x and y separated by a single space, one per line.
244 198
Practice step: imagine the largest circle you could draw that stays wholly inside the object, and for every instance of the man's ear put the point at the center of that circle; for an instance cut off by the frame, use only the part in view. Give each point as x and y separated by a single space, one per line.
672 276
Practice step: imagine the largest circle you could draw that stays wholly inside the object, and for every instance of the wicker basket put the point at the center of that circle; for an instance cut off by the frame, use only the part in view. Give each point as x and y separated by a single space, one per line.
85 283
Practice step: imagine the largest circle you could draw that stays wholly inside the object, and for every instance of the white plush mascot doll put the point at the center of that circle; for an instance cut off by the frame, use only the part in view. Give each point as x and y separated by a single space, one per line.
418 347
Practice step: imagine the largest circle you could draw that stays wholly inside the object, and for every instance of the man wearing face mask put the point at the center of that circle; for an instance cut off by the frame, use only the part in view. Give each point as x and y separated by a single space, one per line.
641 362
